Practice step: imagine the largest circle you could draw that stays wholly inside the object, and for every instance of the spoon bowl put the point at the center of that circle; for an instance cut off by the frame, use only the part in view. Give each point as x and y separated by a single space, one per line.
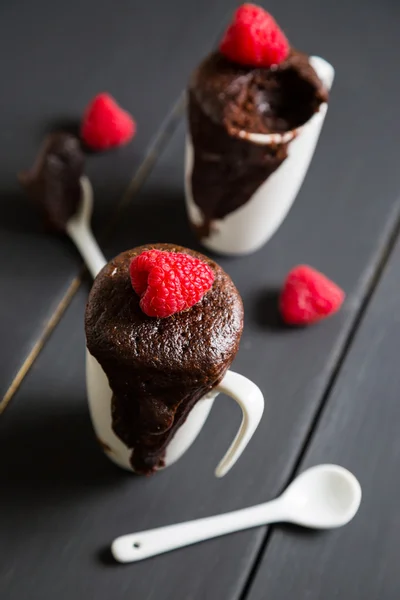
323 497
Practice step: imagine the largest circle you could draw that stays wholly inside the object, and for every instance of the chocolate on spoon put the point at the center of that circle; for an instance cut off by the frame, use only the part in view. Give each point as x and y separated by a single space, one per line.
63 195
52 183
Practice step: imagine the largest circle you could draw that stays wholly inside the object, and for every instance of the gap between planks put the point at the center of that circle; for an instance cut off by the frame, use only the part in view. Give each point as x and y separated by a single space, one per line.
372 279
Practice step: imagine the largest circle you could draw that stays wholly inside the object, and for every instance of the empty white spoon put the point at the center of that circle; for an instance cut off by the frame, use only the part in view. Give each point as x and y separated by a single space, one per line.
322 497
79 230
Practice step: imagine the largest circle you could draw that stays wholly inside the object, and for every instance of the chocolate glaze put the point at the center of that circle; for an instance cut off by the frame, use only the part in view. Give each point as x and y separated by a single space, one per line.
159 368
226 101
53 182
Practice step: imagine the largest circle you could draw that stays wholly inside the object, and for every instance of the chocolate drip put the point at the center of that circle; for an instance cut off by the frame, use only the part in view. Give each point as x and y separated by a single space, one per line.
226 102
159 368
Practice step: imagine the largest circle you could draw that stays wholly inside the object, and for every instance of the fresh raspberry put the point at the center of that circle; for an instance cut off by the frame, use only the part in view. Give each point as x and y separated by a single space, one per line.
308 296
254 38
169 282
105 124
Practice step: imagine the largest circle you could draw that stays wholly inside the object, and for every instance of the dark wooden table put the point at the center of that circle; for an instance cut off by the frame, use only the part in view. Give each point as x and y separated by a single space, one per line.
332 391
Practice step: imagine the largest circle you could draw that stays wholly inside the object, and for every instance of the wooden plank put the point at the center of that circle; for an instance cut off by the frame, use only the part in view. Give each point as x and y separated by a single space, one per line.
53 58
360 430
61 514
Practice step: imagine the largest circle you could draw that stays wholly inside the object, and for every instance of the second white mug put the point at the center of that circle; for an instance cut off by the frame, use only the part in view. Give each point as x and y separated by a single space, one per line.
249 227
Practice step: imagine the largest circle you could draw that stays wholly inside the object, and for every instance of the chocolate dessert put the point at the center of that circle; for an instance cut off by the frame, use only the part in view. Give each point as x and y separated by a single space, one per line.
53 181
158 368
228 102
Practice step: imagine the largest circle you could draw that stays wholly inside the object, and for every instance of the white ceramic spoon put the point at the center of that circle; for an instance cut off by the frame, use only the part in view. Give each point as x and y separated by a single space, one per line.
322 497
79 230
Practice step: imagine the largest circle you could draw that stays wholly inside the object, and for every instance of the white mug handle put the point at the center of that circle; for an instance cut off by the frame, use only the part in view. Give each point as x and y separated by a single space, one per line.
251 400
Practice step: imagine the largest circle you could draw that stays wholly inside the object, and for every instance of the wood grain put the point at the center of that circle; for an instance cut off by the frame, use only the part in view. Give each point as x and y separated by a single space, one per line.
360 430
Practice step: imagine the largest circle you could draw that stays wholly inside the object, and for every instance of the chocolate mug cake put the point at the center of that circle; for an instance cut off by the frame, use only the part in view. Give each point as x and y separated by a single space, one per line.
158 368
255 110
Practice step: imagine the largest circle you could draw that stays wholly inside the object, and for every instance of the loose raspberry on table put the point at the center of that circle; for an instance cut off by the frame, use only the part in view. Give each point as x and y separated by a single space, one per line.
254 38
105 124
169 282
308 296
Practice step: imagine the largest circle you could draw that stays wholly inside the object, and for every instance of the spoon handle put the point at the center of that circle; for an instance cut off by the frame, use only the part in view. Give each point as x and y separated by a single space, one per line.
80 232
83 238
137 546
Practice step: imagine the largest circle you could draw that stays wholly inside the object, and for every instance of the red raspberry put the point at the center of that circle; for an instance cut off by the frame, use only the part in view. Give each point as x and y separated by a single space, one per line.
169 282
254 38
308 296
105 124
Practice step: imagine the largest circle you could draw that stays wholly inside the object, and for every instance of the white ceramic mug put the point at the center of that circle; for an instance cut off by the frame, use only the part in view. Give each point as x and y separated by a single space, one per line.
249 227
241 389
